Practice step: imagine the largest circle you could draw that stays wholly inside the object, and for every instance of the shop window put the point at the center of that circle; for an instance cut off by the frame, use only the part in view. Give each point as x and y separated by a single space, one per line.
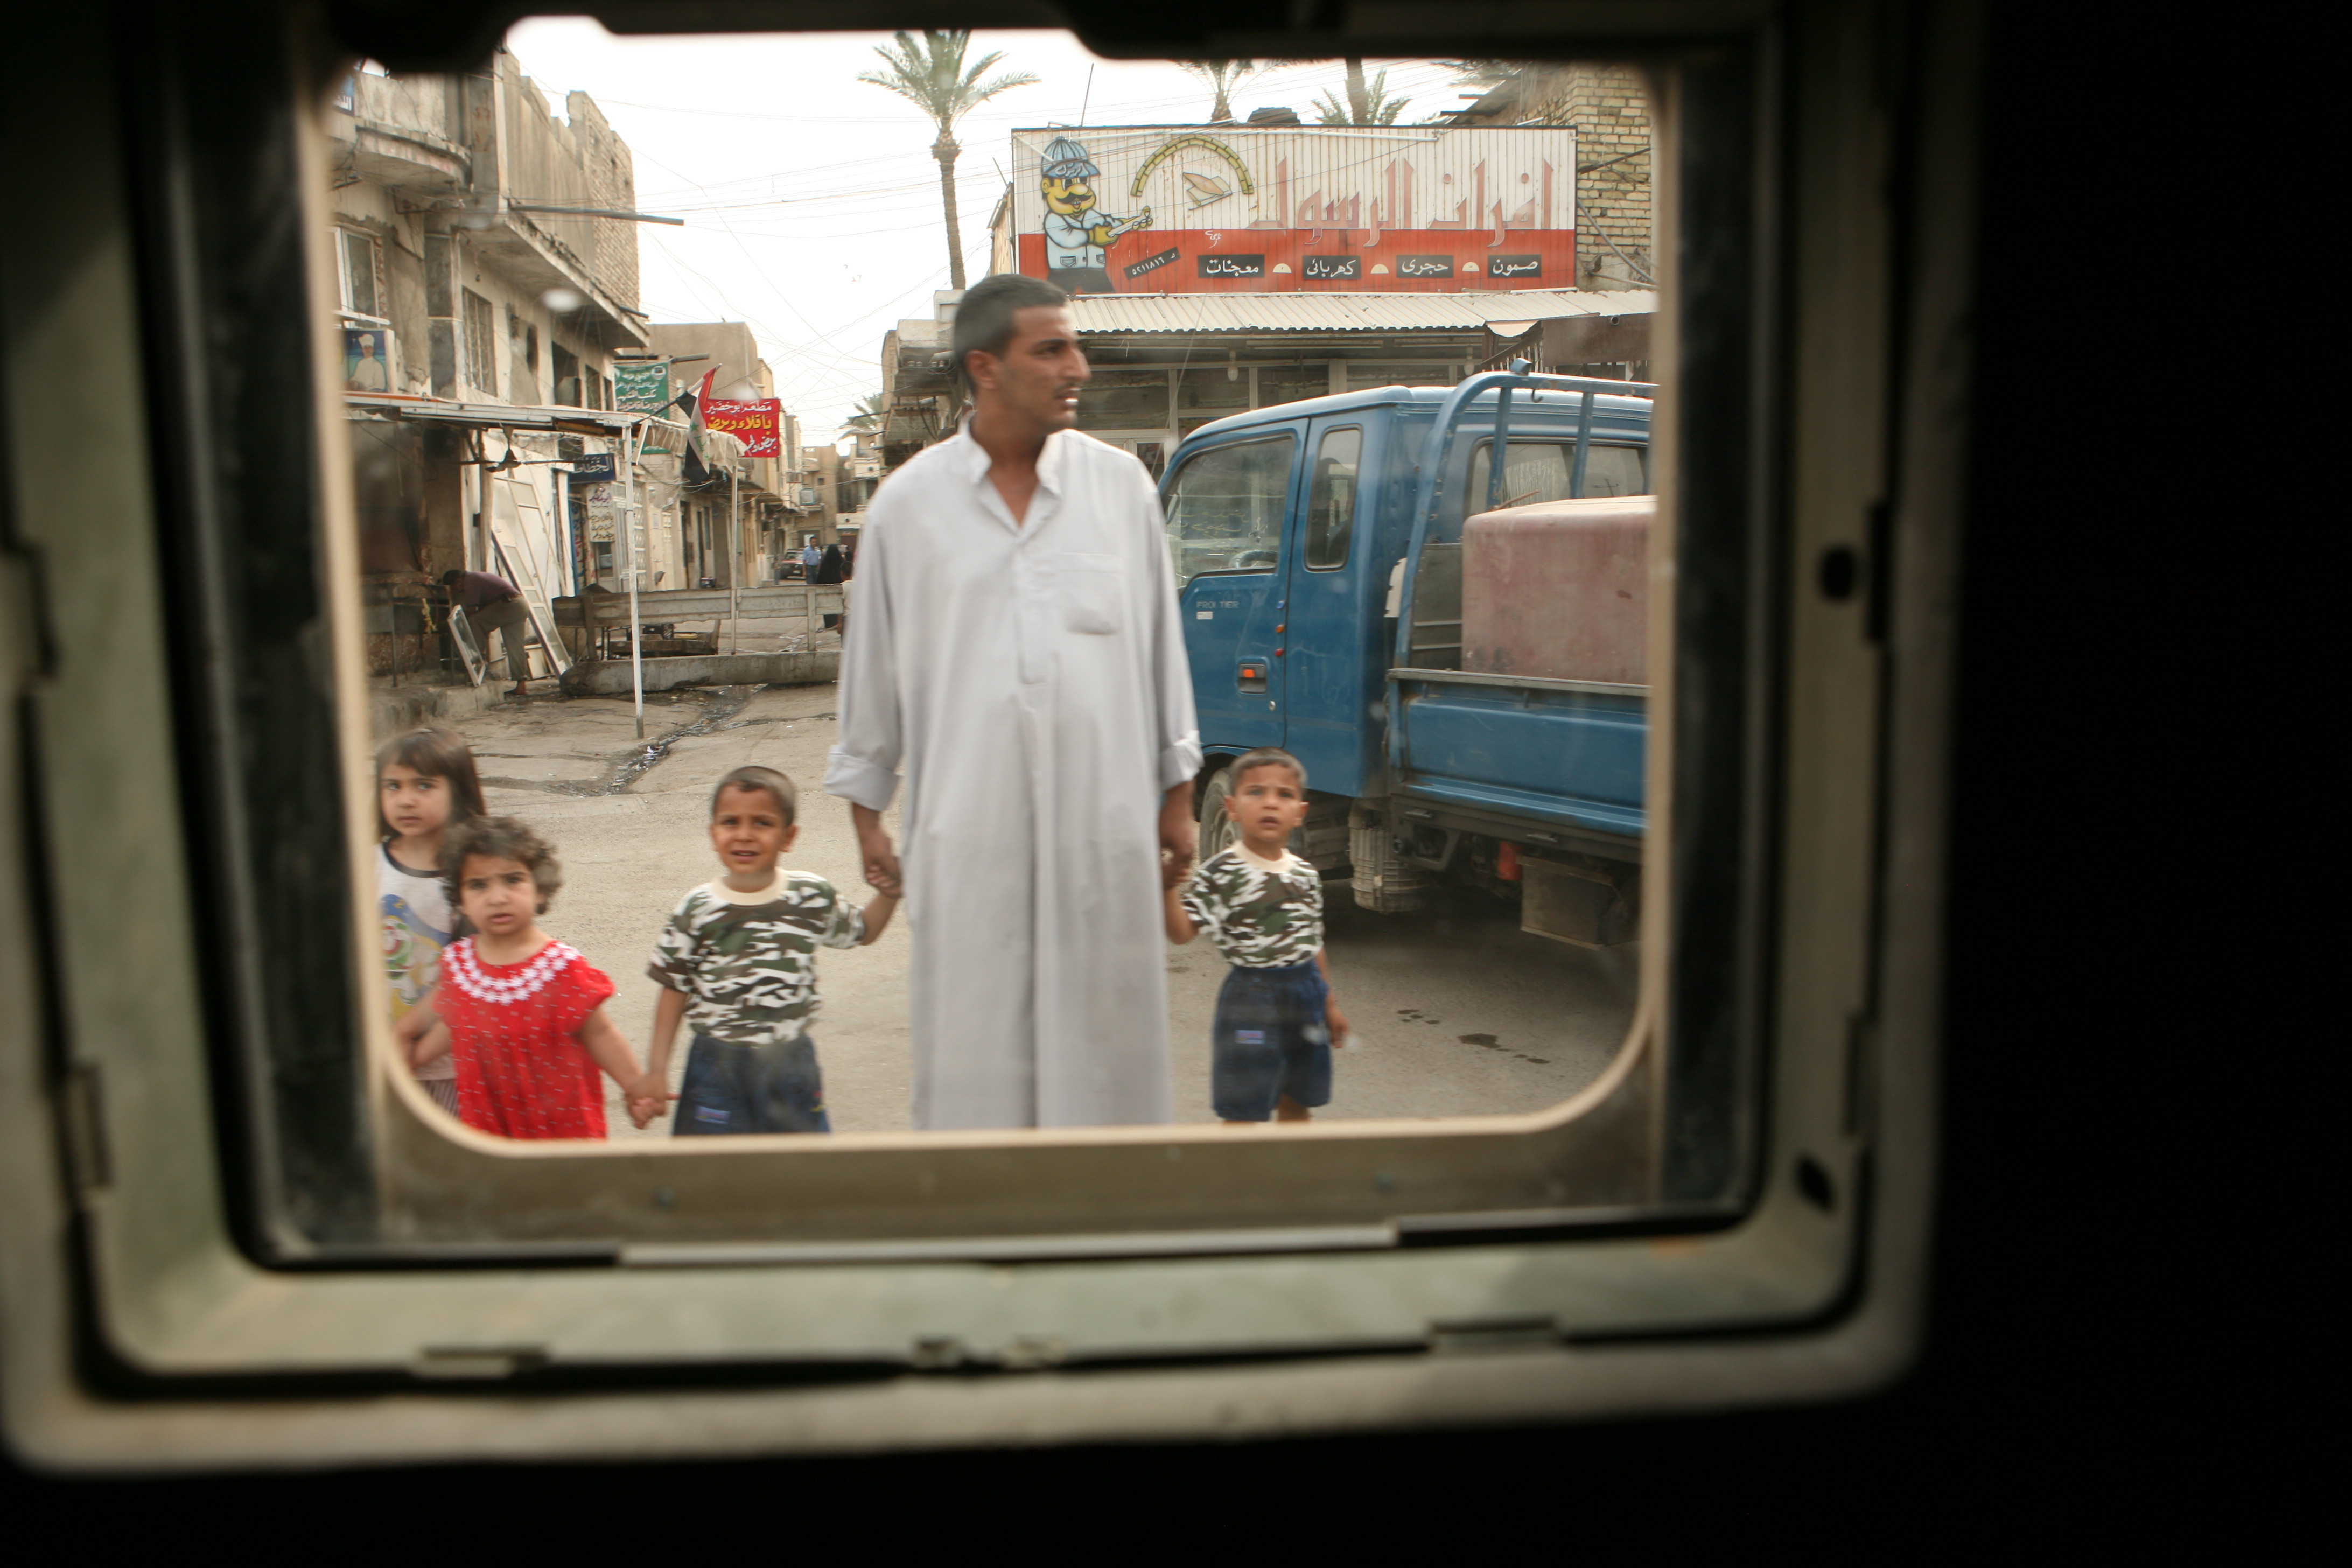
1124 400
1280 384
1213 393
481 365
356 264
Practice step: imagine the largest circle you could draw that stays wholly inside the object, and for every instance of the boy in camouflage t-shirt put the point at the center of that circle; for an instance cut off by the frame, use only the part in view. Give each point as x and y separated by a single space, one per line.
1263 906
738 962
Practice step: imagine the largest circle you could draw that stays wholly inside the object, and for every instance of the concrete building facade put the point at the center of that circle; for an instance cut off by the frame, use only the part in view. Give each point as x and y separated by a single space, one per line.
774 513
473 276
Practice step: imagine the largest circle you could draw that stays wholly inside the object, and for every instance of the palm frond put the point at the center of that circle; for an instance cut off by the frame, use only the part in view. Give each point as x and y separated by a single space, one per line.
933 76
1331 110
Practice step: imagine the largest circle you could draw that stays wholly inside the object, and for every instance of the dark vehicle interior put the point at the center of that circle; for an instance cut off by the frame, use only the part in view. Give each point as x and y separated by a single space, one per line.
1852 177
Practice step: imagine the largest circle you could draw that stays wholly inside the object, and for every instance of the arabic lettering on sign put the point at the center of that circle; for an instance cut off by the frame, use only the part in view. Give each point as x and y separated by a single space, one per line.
1334 266
641 388
1153 263
1425 267
600 509
1232 266
752 420
1515 267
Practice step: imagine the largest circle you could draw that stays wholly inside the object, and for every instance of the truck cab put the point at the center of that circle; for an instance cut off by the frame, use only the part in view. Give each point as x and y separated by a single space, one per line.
1319 553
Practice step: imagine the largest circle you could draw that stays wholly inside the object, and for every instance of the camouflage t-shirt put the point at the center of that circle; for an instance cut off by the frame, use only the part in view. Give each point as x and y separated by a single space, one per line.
747 961
1260 917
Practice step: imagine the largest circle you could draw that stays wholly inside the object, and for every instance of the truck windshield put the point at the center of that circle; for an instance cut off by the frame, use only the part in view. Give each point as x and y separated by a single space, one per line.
1539 471
1224 513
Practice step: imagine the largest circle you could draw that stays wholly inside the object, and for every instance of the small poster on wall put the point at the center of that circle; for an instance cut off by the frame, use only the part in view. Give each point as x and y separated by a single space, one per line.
367 359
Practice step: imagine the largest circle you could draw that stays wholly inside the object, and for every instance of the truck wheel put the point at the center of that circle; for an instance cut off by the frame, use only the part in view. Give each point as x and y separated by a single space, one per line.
1216 827
1384 884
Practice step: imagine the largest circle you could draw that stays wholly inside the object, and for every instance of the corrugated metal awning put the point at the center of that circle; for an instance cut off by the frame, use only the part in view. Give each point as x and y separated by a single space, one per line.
1105 314
490 416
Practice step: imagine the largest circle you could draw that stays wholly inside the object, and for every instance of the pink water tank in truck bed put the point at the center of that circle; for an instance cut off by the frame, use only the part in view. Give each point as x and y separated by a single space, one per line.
1559 590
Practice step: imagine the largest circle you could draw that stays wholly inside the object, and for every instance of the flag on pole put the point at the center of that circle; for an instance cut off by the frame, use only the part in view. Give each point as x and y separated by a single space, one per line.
698 428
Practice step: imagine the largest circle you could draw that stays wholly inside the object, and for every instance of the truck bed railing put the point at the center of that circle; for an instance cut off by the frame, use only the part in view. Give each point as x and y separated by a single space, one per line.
1431 491
1518 682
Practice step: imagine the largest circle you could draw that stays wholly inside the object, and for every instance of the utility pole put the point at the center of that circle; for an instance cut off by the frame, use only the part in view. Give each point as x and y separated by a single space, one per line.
735 563
632 440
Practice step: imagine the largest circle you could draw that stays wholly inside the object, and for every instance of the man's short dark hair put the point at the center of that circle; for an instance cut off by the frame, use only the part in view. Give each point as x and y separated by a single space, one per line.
754 777
984 320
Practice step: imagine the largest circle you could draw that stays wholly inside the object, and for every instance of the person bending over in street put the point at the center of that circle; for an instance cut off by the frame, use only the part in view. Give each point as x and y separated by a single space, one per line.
494 605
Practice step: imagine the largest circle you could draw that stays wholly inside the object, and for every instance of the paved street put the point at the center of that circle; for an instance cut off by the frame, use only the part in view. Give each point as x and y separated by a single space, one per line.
1459 1011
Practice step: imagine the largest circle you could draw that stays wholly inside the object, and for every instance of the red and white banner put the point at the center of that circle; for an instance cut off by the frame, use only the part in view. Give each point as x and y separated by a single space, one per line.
754 421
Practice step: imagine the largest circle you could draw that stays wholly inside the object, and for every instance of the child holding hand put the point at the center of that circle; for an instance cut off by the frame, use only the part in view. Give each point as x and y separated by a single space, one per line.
738 962
1263 906
522 1014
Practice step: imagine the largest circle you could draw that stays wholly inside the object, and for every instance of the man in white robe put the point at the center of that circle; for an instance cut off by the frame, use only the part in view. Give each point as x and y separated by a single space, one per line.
1015 649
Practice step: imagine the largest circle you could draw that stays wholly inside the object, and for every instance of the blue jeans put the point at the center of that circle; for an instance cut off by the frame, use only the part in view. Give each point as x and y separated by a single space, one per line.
750 1089
1271 1039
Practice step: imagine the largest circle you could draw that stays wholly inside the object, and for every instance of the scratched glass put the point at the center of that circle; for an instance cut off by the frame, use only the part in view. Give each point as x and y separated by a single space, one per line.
1224 513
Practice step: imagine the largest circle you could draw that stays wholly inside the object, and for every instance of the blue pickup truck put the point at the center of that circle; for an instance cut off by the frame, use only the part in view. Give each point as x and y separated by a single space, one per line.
1318 549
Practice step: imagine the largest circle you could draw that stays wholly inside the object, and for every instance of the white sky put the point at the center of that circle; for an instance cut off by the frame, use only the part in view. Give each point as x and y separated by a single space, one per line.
811 199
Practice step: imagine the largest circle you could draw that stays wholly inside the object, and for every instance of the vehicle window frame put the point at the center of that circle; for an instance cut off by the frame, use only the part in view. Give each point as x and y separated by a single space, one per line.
1474 490
219 1089
1356 501
1256 436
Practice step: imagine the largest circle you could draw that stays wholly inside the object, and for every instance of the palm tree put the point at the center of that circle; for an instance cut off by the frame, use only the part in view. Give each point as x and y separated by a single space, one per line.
1366 105
870 410
932 77
1222 77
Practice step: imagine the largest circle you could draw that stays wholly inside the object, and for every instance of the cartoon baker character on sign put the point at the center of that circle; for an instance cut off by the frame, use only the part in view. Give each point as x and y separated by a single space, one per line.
1077 235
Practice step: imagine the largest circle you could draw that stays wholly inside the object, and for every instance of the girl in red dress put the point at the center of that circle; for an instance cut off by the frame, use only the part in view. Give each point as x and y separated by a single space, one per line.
522 1014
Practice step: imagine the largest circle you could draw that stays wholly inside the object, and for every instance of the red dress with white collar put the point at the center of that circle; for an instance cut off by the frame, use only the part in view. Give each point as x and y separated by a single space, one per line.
514 1031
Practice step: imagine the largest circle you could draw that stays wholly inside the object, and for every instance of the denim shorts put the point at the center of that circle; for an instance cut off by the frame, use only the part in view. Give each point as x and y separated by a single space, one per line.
750 1089
1271 1039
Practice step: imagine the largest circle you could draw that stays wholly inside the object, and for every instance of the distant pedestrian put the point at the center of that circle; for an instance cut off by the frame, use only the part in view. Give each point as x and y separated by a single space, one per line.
426 784
738 962
832 568
810 556
494 605
521 1013
1263 906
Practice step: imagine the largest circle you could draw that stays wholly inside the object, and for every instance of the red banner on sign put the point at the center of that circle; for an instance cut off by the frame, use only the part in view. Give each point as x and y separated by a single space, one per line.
754 421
